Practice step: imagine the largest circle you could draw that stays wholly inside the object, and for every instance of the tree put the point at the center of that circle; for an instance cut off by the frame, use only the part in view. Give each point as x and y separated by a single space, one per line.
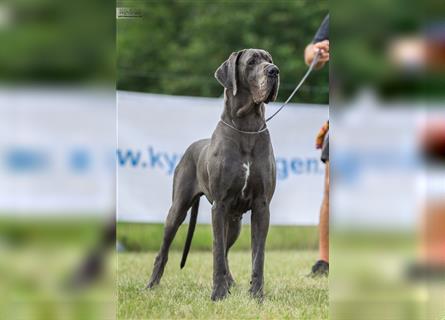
176 46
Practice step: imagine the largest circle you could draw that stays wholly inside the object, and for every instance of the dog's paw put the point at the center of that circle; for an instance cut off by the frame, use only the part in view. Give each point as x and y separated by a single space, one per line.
152 283
230 281
256 291
220 292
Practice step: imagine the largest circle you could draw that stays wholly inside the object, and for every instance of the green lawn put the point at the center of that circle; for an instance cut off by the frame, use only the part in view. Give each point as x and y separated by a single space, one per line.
185 294
148 237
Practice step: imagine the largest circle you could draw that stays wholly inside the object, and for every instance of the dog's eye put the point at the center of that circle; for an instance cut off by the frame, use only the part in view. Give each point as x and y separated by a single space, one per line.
252 61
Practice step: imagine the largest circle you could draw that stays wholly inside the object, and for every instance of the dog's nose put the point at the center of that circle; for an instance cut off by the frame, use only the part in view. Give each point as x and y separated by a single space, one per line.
273 71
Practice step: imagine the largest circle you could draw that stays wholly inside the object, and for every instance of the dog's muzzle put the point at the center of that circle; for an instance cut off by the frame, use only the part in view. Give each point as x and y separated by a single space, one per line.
272 71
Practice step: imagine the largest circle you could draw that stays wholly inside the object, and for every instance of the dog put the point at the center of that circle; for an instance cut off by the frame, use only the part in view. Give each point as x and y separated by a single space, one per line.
234 170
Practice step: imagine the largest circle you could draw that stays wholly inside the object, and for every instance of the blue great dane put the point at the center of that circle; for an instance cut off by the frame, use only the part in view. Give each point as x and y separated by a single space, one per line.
234 170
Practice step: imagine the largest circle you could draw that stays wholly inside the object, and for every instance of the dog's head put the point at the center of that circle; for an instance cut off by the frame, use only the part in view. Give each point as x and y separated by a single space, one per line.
253 71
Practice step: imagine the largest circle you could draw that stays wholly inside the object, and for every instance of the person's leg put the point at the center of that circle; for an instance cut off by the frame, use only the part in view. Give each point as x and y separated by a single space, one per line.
324 220
321 267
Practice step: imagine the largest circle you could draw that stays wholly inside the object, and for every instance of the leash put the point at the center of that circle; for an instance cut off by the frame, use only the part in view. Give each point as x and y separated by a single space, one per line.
241 131
264 128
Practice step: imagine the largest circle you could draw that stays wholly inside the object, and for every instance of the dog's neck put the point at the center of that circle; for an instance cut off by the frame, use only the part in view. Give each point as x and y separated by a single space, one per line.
242 112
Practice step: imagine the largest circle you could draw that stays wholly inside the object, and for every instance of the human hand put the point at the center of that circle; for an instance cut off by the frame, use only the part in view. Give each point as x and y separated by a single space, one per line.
312 49
321 134
323 47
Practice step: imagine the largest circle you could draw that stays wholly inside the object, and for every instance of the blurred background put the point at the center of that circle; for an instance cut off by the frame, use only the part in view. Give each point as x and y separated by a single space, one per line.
174 47
388 167
57 173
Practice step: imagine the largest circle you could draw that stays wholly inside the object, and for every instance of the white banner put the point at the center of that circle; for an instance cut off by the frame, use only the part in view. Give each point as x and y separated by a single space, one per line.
57 152
155 130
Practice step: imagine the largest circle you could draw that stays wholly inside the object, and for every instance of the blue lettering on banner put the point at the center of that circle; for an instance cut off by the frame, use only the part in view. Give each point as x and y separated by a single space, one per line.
167 161
297 166
80 160
130 156
155 158
30 159
25 160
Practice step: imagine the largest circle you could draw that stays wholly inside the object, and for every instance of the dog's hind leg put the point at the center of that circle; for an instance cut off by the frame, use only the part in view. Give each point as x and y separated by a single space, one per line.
176 216
233 232
184 194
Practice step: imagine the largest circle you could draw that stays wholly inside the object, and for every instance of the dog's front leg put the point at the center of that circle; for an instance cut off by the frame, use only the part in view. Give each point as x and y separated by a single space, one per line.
220 285
260 226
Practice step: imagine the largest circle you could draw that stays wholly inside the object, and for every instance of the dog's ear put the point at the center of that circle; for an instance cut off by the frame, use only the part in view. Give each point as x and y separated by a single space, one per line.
226 73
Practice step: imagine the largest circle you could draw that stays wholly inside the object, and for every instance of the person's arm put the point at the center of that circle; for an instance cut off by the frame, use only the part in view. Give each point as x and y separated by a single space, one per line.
320 42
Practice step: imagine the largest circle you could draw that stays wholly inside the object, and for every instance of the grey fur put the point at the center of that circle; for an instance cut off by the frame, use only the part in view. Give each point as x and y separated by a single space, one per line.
234 171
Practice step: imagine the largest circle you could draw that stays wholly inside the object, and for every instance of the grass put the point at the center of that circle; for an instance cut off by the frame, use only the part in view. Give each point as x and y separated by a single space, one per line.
185 294
148 237
52 231
33 285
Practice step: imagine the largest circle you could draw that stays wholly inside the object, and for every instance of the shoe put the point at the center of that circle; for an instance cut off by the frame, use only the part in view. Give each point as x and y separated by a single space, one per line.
320 268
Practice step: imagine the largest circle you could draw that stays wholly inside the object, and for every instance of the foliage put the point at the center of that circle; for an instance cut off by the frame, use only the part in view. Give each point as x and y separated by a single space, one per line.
57 42
176 46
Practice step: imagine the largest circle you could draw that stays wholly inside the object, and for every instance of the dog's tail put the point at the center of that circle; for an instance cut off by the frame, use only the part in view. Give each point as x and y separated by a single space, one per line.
192 224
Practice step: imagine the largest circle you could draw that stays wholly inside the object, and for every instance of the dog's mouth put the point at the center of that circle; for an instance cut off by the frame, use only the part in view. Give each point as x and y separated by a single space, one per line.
272 91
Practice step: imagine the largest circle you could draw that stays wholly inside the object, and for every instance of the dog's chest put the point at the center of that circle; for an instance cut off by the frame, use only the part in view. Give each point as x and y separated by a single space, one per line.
246 171
243 189
240 172
240 194
245 182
